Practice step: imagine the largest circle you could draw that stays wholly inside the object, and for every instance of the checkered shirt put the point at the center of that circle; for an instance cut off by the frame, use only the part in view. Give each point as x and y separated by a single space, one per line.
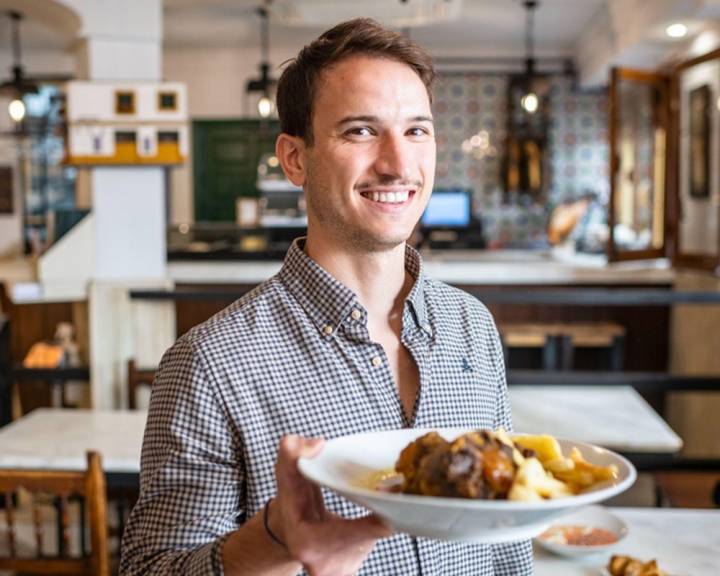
295 356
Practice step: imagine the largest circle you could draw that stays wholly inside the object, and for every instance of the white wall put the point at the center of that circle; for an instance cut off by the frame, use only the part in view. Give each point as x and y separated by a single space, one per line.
129 211
215 80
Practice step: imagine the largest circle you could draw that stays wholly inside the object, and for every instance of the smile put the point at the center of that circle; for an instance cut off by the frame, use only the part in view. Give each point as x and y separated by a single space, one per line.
398 197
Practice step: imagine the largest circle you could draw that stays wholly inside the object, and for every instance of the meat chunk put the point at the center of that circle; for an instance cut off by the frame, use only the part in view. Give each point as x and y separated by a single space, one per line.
475 465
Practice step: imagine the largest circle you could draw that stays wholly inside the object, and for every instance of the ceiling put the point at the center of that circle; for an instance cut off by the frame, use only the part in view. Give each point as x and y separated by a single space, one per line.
482 26
596 33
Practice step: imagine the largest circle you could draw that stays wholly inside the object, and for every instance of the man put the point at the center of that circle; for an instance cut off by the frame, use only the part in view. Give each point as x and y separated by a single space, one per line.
350 336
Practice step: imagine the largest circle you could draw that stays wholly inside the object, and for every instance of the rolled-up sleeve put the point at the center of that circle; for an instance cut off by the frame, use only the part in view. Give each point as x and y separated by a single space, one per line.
191 477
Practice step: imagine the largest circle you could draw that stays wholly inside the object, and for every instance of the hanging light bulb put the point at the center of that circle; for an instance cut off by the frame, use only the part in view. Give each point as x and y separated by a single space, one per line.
264 84
265 106
18 85
530 102
16 109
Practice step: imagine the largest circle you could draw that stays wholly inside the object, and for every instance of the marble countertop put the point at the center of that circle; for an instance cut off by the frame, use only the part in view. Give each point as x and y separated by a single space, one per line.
615 417
684 543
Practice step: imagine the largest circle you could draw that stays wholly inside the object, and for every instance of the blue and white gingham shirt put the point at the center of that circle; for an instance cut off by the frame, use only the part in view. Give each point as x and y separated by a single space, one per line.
295 356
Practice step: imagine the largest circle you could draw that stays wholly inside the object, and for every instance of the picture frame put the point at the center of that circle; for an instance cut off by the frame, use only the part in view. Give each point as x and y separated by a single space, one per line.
700 125
695 170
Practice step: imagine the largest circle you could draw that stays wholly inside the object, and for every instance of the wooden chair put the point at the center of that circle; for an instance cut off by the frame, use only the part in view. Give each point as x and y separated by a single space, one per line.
90 485
137 377
559 341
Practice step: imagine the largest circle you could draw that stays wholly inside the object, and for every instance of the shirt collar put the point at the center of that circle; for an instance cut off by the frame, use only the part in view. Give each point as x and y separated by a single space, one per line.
327 301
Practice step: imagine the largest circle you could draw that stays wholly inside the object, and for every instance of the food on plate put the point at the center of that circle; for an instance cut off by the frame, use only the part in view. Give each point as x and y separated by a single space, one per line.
578 536
629 566
475 465
490 465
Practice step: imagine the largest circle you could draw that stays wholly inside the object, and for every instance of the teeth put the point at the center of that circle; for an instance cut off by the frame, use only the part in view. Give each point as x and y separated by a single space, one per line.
388 197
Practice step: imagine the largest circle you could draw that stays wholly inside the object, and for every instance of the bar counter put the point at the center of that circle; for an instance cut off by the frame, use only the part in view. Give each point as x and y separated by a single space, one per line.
462 267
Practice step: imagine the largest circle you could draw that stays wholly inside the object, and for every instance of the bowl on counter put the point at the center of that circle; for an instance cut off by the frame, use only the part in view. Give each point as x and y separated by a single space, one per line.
589 530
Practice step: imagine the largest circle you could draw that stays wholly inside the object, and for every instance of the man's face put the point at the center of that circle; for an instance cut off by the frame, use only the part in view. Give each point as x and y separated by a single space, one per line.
370 171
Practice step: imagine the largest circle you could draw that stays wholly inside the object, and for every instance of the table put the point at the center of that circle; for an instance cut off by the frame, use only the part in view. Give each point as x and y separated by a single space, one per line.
684 542
57 439
612 416
615 417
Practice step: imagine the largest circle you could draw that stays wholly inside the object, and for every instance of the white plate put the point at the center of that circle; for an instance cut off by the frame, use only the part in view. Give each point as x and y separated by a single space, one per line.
592 517
345 461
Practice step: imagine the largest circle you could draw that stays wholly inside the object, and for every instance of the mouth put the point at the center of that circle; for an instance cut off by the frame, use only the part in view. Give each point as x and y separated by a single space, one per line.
396 197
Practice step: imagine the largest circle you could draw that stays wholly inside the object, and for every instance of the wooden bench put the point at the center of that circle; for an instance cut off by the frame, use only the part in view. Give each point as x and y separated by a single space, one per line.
559 340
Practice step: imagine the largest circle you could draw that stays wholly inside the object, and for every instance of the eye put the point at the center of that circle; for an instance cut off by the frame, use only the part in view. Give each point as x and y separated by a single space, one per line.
419 131
361 131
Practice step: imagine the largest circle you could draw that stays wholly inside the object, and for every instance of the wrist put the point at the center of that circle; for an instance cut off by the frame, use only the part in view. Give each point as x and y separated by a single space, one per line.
273 524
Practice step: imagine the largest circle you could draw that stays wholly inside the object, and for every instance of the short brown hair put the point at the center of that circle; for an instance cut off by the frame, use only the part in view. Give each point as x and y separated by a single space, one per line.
361 36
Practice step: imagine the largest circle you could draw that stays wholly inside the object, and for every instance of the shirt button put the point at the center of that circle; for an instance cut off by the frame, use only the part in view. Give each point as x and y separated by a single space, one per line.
376 361
327 329
427 328
356 314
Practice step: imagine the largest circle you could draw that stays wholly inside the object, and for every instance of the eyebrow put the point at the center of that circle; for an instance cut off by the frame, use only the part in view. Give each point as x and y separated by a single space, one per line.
376 119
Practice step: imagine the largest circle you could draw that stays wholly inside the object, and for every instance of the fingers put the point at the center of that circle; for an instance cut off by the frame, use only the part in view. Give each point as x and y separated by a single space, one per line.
338 546
366 529
303 499
324 543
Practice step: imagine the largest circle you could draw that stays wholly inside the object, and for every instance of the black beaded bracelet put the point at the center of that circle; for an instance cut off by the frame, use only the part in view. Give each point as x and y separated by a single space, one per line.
274 538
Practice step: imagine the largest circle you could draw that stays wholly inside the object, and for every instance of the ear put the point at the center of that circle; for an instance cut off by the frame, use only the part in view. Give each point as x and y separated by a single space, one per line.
290 151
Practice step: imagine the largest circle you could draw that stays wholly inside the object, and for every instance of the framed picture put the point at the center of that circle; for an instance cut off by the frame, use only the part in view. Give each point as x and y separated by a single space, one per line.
700 123
167 101
6 190
124 102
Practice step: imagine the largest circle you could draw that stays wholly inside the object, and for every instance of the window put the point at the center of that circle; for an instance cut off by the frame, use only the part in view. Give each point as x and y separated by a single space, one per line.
167 101
124 102
125 136
168 137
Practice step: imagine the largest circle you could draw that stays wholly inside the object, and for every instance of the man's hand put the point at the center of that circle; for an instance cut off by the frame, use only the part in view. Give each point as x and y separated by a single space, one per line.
324 543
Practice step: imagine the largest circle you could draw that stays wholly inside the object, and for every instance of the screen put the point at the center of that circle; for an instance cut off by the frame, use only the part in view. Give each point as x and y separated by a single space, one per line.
447 209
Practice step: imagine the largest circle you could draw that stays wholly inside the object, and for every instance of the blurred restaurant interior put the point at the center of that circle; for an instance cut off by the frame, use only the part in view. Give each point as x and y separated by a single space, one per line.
577 195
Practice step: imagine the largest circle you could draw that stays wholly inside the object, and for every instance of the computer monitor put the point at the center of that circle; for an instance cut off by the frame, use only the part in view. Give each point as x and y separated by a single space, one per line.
449 208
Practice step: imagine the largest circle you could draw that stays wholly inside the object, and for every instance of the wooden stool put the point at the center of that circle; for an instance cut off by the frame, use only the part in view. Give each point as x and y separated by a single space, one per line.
559 340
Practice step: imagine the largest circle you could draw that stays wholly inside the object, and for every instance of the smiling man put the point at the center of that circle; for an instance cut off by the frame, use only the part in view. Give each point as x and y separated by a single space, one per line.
349 336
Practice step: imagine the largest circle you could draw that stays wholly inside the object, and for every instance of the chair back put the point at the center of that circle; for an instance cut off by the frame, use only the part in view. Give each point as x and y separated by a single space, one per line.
137 377
62 485
5 372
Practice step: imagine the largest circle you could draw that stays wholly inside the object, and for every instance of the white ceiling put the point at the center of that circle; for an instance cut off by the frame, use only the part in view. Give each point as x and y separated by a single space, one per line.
482 26
485 26
596 33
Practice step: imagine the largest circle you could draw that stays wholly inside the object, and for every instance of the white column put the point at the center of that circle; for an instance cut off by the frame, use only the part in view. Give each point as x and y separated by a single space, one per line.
123 41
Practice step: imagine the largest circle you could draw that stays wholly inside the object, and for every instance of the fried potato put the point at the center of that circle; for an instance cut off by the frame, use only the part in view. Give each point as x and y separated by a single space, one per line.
583 474
545 446
532 482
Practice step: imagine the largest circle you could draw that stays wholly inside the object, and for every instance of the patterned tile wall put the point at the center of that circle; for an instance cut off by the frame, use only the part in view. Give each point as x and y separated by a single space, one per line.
577 159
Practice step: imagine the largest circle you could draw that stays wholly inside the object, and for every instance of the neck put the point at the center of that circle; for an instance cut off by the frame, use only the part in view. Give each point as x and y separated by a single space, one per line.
377 277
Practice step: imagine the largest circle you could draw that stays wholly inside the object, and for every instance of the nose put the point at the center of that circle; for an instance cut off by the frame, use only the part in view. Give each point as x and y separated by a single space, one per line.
393 157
